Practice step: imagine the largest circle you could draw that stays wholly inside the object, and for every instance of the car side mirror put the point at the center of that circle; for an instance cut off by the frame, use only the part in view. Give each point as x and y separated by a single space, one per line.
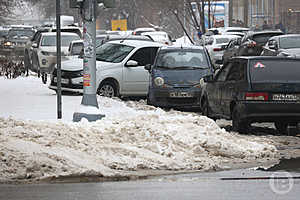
132 63
208 79
34 45
148 67
223 47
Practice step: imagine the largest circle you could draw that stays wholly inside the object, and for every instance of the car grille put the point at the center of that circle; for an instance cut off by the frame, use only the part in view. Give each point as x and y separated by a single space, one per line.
179 101
68 74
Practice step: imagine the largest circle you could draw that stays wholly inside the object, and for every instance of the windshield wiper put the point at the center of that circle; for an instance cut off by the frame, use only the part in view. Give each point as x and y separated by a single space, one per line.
165 67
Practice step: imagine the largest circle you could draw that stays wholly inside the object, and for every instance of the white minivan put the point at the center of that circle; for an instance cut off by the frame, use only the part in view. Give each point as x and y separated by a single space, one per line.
120 69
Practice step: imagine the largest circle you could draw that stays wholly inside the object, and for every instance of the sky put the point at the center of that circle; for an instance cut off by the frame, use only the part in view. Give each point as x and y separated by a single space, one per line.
131 137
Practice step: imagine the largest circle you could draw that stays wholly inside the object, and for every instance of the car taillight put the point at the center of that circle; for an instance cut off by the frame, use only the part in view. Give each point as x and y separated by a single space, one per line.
257 96
217 49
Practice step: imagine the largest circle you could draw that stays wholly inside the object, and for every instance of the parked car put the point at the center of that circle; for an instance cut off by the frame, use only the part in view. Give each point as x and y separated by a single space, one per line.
254 89
120 69
214 45
284 45
176 76
250 45
159 36
44 51
14 42
28 49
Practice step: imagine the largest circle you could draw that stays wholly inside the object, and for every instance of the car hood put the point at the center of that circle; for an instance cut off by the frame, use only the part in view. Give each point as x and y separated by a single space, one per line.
181 77
293 51
75 64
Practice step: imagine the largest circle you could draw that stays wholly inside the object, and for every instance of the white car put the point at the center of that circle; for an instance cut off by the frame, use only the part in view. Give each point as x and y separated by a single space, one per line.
159 36
214 46
139 31
120 69
44 51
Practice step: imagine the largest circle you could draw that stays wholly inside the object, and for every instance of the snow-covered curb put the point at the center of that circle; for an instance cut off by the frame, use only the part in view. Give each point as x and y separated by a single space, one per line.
114 146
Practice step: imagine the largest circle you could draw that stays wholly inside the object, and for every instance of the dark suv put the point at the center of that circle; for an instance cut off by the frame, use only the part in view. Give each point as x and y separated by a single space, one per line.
255 89
250 45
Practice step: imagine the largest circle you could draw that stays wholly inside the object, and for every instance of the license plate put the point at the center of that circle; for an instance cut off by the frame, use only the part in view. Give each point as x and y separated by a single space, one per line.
181 94
286 97
63 80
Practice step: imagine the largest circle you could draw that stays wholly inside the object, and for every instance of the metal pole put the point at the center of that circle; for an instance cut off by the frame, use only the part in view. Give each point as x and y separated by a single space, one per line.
230 12
58 60
89 98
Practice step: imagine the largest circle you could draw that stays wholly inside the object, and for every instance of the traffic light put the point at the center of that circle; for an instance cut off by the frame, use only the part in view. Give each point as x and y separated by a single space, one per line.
108 3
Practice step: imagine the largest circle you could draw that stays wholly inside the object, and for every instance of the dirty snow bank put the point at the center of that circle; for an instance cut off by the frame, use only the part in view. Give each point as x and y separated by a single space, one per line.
132 137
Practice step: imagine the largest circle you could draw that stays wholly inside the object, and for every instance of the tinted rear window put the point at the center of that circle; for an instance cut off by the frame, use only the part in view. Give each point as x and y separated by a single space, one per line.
290 42
263 38
275 70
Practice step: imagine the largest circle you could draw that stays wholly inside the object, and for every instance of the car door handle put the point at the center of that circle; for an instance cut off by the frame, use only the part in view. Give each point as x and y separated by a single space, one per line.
230 87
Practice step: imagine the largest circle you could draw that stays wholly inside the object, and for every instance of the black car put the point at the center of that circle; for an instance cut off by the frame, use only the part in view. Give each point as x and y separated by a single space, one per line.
283 45
254 89
176 77
250 45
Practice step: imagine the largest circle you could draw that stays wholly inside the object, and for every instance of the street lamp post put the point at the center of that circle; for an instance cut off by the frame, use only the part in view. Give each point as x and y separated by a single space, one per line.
89 108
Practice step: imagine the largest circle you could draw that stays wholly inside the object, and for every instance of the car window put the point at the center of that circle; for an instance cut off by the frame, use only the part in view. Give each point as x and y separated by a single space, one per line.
76 48
222 74
263 38
222 40
289 42
144 55
65 40
275 70
237 72
110 52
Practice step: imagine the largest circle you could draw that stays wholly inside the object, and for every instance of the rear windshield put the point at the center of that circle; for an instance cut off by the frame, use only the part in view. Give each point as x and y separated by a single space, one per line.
65 40
275 70
263 38
222 40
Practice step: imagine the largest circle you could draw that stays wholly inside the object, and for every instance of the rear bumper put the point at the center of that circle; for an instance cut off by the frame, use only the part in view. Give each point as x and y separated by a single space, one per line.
270 111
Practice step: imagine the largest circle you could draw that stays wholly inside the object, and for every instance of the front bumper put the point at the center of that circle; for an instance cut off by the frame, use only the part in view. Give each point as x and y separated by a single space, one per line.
270 111
175 97
68 83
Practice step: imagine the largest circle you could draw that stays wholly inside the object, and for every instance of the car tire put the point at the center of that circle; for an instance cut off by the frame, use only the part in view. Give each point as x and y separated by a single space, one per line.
107 89
238 124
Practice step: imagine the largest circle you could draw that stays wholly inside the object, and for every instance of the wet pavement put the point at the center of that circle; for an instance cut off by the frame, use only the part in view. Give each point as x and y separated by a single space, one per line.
235 184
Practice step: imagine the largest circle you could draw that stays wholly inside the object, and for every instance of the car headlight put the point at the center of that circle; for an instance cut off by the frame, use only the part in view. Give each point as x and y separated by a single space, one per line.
8 44
159 81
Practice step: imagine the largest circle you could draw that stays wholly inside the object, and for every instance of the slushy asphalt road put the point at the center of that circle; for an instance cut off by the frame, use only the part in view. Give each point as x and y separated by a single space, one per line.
188 186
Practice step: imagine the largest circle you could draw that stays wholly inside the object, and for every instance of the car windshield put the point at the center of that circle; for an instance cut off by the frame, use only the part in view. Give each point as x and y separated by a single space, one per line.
289 42
20 33
182 59
65 40
77 48
114 53
3 33
275 70
222 40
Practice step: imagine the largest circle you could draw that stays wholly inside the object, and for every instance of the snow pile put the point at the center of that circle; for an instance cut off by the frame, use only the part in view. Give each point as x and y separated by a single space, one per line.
132 137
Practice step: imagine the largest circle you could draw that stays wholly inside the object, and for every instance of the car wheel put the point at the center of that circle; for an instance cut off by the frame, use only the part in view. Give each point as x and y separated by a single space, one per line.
238 124
44 78
107 89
